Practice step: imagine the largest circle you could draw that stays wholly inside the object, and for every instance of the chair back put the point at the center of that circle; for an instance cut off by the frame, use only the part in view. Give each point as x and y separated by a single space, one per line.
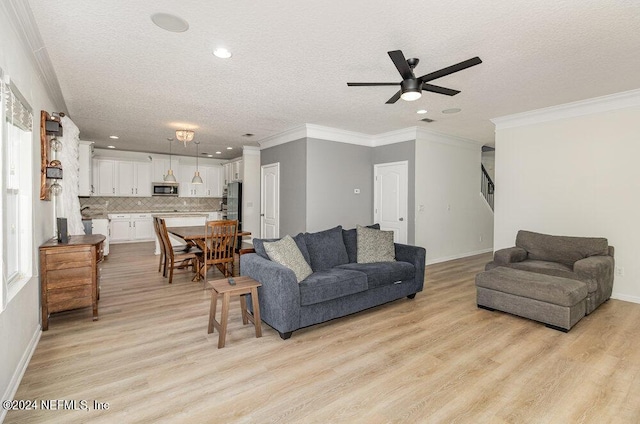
156 227
220 245
165 243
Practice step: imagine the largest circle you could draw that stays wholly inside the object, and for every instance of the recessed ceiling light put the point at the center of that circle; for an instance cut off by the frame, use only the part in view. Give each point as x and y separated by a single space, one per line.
229 148
115 137
218 153
169 22
209 156
452 110
422 111
111 147
248 135
222 53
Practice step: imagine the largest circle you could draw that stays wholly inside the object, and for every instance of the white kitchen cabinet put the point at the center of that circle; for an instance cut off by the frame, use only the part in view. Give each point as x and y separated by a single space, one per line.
143 179
184 178
133 179
131 227
142 227
101 226
105 173
120 227
85 174
213 181
237 170
161 166
227 171
214 216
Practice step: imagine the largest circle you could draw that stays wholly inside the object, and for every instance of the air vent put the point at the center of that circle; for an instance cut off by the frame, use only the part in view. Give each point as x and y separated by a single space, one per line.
428 120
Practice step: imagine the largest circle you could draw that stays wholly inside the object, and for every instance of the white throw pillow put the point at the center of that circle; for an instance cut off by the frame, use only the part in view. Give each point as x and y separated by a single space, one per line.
286 252
375 245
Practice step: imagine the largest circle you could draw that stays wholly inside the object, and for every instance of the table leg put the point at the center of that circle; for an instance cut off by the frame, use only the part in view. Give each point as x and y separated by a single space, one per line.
243 308
256 312
224 319
212 309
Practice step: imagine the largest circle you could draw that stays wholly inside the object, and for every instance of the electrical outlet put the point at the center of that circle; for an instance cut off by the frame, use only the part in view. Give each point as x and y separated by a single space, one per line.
620 271
480 237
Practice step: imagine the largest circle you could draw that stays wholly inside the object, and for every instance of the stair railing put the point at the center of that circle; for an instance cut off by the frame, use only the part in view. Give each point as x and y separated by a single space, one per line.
487 187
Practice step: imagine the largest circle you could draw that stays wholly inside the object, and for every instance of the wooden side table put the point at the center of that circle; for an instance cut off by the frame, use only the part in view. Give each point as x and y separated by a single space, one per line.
243 286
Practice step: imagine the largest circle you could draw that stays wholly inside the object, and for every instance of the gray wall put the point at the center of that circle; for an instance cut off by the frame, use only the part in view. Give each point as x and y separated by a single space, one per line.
334 170
293 183
396 153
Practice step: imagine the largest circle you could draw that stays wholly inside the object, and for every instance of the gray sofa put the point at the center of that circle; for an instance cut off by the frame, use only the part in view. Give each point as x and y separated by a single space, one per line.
586 259
337 287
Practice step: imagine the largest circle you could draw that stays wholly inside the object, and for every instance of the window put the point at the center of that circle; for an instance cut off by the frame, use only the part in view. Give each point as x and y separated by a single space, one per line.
17 175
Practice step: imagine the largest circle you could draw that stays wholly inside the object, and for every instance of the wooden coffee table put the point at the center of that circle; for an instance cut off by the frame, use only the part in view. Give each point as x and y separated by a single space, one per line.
243 286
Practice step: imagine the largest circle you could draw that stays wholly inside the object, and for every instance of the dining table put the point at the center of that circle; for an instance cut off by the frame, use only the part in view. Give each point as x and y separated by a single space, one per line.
196 234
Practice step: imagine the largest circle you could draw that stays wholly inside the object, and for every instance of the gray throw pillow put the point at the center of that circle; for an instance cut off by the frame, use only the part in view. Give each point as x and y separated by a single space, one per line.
375 245
286 252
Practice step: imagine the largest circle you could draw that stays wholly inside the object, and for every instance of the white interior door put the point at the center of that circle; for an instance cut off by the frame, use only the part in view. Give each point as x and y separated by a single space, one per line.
390 198
270 201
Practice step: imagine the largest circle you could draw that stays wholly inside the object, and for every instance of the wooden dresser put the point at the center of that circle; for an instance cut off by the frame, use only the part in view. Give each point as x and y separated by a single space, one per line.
69 275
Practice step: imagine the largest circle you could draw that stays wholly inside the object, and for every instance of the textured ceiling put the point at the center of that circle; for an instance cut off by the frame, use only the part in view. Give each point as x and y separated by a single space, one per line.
120 74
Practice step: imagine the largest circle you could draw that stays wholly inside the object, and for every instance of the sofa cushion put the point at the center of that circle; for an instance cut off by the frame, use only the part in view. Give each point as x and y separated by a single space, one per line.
326 249
286 253
563 249
258 245
384 273
374 245
350 239
331 284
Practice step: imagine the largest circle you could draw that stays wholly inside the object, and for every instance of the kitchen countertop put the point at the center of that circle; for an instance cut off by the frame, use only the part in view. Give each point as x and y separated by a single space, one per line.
172 213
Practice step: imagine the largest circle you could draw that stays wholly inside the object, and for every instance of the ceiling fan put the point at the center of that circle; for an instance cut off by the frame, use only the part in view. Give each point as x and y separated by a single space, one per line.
410 86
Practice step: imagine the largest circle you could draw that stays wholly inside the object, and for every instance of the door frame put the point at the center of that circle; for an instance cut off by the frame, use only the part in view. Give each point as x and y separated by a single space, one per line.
376 167
262 197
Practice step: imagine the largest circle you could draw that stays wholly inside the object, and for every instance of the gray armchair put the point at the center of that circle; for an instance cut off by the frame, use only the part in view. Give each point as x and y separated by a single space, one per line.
587 259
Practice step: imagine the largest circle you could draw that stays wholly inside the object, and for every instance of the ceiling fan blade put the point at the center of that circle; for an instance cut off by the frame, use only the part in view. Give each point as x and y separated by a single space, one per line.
401 64
438 89
395 98
370 84
451 69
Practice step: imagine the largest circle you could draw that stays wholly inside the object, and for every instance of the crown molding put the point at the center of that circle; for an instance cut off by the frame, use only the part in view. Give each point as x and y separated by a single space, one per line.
24 23
398 136
341 136
250 151
287 136
360 139
452 140
570 110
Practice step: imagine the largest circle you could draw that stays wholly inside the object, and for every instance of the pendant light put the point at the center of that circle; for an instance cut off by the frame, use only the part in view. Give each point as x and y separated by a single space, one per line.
170 178
196 177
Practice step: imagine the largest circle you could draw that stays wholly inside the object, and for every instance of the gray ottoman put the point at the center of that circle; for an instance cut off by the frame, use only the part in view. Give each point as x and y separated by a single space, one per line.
558 302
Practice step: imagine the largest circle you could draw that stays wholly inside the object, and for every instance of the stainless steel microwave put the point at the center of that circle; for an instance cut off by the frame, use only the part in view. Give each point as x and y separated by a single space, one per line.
164 189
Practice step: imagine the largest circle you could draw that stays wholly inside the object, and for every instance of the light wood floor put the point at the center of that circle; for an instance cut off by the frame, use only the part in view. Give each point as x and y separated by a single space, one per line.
434 359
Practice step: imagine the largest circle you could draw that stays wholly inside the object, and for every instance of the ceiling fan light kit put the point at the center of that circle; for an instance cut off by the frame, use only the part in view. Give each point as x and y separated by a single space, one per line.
411 87
410 90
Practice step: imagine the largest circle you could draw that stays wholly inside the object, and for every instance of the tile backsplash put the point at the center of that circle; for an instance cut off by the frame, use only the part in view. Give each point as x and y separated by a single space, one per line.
104 205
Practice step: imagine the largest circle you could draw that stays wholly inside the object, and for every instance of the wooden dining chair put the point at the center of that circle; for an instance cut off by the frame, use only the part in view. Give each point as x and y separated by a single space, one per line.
178 256
163 253
220 246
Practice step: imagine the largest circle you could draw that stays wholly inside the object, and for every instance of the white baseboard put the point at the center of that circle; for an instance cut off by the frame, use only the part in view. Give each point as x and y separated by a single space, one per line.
625 297
462 255
20 370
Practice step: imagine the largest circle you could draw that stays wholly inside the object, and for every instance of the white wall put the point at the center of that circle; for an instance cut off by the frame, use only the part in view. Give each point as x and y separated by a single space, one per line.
575 176
251 190
452 218
20 320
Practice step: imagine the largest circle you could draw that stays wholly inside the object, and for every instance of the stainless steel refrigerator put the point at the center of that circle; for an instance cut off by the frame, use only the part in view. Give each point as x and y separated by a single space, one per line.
234 203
